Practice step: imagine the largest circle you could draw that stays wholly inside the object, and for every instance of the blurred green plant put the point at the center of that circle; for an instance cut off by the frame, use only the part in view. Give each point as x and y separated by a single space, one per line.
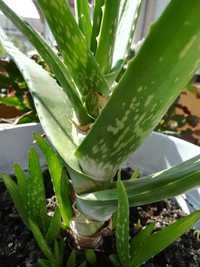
2 51
179 120
14 91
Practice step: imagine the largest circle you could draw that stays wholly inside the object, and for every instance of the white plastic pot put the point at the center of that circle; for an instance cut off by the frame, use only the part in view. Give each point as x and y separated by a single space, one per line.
159 152
15 141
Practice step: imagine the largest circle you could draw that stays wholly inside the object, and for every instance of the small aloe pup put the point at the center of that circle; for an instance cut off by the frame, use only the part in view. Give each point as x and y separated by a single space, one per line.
103 106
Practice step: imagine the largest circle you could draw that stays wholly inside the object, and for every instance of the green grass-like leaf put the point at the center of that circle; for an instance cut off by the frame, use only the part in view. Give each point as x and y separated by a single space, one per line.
54 226
14 192
147 244
129 14
97 19
107 34
71 262
59 180
82 10
36 199
22 183
42 243
122 226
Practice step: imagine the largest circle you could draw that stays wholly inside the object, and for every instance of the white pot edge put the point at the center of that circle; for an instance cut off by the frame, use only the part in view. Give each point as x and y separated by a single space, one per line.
15 141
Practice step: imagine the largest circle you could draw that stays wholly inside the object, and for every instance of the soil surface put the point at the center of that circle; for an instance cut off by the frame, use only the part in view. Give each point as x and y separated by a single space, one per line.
18 248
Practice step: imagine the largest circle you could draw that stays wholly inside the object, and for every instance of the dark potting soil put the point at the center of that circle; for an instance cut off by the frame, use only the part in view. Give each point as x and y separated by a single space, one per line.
18 248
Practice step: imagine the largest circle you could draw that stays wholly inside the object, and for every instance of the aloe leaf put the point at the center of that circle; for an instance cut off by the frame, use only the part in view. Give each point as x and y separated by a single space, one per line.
139 240
90 256
42 242
80 62
81 182
71 262
36 199
107 34
113 74
61 187
114 260
13 190
122 227
82 9
59 179
83 264
54 110
129 13
22 183
162 239
43 263
59 69
54 226
97 19
57 252
138 102
165 184
61 245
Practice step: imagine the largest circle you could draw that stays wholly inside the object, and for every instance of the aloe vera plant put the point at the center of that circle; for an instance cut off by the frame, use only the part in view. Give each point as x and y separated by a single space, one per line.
95 117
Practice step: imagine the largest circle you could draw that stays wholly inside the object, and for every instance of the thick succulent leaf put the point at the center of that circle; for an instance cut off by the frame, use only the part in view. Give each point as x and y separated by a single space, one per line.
59 179
138 242
122 227
165 184
129 13
71 262
81 182
43 263
13 190
54 111
83 264
35 192
57 66
82 9
97 19
80 62
107 34
156 242
90 256
144 93
61 187
114 260
42 242
22 183
54 226
113 74
59 247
